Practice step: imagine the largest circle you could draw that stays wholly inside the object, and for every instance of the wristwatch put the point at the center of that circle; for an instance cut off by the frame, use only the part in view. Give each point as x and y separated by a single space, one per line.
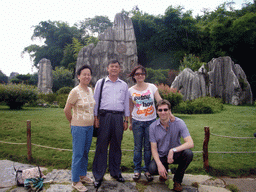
174 150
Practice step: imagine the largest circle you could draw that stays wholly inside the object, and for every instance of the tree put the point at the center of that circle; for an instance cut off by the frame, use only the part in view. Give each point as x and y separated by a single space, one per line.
56 36
62 78
98 24
3 78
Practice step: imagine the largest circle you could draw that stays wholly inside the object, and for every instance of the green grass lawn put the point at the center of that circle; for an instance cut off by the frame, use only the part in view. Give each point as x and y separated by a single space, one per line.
49 127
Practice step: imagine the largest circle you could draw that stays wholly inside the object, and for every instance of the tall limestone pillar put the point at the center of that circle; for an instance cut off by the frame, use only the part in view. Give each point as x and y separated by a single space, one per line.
117 42
45 79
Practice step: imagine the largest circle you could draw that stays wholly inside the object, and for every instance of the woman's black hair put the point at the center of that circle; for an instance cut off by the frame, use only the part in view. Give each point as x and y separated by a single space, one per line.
134 71
78 72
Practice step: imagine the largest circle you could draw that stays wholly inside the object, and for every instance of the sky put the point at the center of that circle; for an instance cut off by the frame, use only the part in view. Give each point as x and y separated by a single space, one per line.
18 18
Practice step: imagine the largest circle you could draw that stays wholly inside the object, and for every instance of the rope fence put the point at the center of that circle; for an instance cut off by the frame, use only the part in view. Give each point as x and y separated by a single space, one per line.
205 145
206 141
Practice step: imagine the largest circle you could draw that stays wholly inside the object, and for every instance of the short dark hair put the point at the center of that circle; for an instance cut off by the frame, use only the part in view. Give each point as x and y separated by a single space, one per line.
134 71
113 61
78 72
163 102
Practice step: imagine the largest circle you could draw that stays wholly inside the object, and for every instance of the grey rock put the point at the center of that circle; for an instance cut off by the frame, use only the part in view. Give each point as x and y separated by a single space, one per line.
45 78
219 78
117 42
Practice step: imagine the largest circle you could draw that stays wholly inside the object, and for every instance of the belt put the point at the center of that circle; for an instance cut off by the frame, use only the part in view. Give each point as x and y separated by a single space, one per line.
103 111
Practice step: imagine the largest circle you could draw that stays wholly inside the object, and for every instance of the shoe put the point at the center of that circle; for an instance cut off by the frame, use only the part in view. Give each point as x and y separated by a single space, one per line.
148 176
97 184
79 187
119 178
177 186
136 176
161 179
86 180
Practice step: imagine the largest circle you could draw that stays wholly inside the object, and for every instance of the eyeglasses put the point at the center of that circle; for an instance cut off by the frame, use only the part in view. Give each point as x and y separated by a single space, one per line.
138 74
160 110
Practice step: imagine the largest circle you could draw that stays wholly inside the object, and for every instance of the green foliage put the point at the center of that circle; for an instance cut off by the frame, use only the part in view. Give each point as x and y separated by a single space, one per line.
62 99
56 35
170 94
15 96
62 78
203 105
190 61
64 90
49 98
98 24
157 76
3 78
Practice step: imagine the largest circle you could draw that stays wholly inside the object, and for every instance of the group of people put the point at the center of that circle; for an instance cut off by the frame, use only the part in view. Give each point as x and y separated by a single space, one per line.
110 108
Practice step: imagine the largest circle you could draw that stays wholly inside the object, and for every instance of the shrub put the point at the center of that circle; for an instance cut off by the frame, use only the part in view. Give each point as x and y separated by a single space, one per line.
64 90
190 61
170 94
203 105
62 100
15 96
48 98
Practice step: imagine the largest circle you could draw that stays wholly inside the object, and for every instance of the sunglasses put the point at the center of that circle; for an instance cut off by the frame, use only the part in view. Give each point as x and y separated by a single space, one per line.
138 74
160 110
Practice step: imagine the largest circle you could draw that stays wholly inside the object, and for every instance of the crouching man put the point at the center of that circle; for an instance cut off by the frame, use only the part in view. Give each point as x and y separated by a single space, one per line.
166 147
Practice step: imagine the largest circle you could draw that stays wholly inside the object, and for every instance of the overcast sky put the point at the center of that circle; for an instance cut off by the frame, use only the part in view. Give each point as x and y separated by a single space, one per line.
18 17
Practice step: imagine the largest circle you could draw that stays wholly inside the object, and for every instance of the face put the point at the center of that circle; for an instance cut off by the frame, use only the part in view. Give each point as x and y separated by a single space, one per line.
85 77
139 75
163 112
113 69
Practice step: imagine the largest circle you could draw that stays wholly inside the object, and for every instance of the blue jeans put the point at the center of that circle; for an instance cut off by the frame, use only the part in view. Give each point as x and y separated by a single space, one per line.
141 139
82 139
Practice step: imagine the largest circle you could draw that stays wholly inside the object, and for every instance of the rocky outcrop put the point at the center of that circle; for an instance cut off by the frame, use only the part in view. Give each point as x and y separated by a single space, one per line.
117 42
219 78
45 78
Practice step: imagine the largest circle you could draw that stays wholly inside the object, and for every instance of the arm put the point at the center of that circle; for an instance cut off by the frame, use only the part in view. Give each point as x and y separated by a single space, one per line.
157 96
67 111
188 144
126 108
131 109
161 169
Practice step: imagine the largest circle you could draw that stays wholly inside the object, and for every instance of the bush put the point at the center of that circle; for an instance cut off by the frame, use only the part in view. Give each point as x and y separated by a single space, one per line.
190 61
64 90
203 105
48 98
170 94
15 96
62 99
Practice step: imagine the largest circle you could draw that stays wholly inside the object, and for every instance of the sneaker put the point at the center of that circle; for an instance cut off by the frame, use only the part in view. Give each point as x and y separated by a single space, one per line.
177 186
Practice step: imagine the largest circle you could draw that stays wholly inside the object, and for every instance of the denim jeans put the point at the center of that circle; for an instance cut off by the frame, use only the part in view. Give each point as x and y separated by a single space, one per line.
141 139
82 139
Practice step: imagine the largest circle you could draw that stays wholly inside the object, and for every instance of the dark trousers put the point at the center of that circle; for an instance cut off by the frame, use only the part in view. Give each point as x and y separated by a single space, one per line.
183 160
110 133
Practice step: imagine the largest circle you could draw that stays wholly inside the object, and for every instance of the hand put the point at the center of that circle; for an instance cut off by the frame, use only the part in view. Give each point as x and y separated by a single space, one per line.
130 127
162 171
170 159
96 122
125 126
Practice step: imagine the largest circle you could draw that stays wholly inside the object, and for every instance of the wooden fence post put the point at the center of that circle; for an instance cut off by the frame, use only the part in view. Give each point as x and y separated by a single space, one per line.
205 148
29 140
